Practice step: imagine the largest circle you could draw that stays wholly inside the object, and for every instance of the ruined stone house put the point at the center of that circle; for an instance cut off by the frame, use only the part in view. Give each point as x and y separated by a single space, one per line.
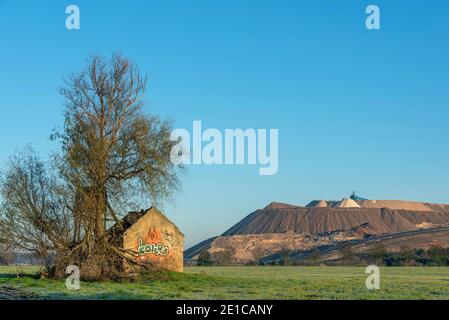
152 238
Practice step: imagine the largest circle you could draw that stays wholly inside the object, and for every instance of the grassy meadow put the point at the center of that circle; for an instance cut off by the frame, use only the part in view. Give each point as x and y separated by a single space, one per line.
242 283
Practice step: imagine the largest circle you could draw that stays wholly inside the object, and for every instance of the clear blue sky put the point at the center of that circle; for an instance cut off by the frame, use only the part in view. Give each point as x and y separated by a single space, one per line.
356 109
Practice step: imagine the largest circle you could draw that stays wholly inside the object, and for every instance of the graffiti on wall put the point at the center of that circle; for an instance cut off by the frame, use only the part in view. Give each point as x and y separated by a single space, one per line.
158 249
171 238
154 244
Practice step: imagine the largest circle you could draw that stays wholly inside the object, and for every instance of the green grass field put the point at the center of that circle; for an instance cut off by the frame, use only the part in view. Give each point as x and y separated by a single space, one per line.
244 283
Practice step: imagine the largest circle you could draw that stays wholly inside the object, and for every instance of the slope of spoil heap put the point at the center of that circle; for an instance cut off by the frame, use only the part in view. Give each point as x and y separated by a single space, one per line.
345 215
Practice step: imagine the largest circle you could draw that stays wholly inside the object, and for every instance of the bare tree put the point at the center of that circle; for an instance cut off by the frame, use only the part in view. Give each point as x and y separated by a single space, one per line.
378 252
33 215
224 257
407 254
259 252
111 149
204 258
112 153
285 254
346 253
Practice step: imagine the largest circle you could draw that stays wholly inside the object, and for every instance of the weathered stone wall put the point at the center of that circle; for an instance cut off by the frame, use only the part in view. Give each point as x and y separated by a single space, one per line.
155 239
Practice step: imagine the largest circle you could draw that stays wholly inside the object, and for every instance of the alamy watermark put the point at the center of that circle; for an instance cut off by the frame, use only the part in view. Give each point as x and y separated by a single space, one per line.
372 22
72 22
231 147
373 280
72 282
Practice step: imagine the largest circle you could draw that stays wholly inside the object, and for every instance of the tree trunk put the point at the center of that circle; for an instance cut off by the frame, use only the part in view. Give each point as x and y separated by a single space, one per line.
100 212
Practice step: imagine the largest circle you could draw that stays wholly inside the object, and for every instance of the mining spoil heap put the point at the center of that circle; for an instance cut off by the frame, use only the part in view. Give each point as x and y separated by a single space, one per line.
347 218
315 219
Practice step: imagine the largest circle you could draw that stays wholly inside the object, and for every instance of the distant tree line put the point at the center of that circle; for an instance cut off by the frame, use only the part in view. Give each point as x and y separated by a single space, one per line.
224 257
378 255
434 256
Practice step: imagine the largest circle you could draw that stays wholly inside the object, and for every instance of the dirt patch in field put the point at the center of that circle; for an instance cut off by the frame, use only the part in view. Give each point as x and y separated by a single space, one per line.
10 293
